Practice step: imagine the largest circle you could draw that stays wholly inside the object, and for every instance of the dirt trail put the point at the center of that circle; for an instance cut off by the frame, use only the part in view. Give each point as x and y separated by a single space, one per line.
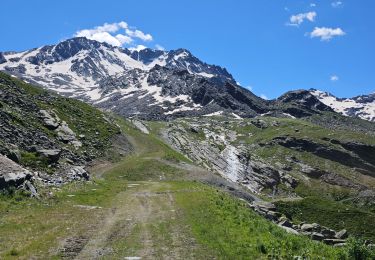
143 224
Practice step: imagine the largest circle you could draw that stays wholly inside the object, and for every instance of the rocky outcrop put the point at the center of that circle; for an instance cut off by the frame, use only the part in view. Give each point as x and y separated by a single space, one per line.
62 129
212 146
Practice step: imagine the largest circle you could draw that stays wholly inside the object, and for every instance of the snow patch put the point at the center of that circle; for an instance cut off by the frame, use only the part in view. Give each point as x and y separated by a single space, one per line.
217 113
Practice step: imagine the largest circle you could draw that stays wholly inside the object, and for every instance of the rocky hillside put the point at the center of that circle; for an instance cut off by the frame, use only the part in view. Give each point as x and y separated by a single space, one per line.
51 138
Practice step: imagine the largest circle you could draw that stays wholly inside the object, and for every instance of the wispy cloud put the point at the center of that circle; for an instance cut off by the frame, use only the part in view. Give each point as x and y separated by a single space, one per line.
159 47
297 19
264 96
336 4
326 34
116 34
334 78
312 5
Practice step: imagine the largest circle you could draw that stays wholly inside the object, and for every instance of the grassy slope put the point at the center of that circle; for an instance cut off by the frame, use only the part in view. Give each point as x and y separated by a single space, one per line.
222 225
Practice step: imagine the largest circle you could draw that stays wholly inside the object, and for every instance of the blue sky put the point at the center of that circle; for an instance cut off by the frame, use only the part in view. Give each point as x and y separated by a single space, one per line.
270 46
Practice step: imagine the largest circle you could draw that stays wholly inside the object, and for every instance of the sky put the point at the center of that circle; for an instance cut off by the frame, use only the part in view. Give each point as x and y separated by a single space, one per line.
269 46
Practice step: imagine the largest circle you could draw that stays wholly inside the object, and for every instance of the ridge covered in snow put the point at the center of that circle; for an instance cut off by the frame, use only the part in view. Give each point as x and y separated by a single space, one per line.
98 72
361 106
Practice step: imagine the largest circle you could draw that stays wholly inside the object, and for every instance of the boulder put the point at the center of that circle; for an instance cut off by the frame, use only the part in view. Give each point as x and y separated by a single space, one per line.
12 174
285 223
342 234
328 233
77 173
52 155
311 227
64 133
51 122
317 236
307 227
289 230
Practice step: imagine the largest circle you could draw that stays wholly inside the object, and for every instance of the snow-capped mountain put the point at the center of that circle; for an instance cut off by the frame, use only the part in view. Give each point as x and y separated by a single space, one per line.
360 106
156 84
120 79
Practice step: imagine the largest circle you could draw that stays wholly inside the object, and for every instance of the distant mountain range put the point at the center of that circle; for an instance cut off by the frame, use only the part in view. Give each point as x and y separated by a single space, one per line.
361 106
155 84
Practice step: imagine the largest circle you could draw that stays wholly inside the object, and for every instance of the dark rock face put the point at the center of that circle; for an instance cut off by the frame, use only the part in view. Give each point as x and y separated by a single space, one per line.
301 103
64 50
2 58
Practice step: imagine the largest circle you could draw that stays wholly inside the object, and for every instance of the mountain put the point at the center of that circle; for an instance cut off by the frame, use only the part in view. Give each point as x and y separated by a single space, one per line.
117 78
361 106
159 85
148 84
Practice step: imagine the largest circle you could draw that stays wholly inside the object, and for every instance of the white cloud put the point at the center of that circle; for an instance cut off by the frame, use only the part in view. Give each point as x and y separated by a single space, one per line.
312 5
326 34
111 33
336 4
123 39
264 96
334 78
138 48
159 47
296 20
138 34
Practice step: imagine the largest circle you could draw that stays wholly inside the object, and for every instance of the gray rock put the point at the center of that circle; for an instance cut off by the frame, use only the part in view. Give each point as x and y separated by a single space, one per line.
52 155
285 223
317 236
64 133
328 233
77 173
342 234
307 227
290 230
12 174
51 122
30 187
